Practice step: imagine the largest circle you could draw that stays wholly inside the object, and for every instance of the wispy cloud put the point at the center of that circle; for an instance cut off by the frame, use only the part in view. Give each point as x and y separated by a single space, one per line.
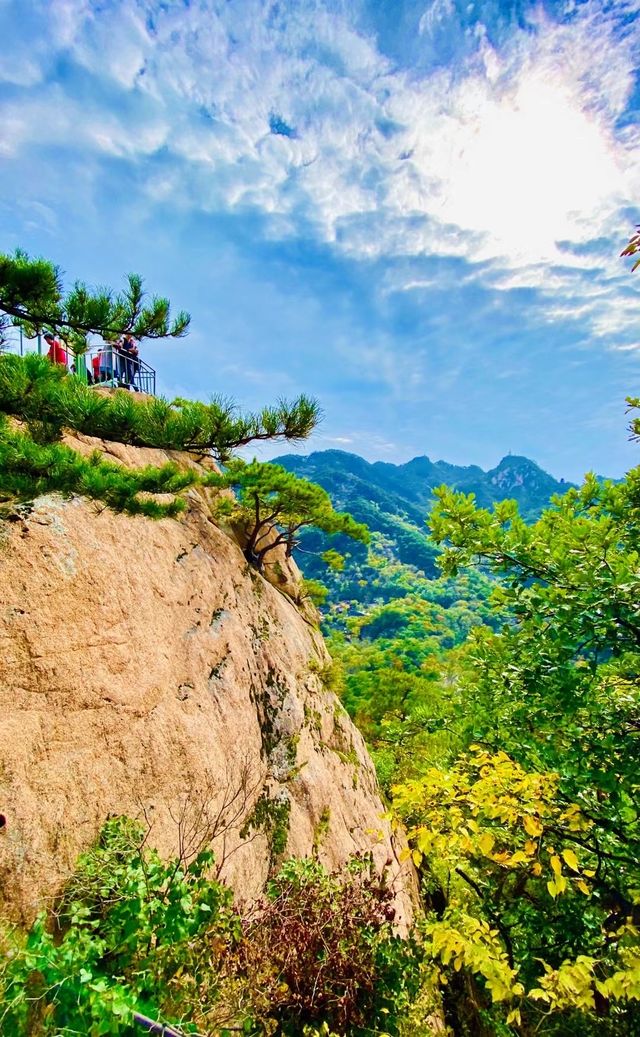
515 150
461 171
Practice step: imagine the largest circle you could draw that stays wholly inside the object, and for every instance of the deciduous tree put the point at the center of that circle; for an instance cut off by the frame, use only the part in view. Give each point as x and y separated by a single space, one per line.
529 843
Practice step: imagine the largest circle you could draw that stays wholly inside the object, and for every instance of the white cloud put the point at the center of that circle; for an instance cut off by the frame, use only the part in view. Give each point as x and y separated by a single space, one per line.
629 347
33 32
497 164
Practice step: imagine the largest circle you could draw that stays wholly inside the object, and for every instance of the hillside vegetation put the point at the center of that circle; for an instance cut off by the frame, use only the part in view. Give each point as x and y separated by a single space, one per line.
500 701
492 660
394 501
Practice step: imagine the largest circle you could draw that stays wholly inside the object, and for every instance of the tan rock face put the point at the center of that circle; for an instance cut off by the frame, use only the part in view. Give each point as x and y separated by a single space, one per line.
146 670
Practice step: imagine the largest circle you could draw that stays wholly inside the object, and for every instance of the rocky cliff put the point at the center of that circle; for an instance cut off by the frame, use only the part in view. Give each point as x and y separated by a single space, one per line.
147 670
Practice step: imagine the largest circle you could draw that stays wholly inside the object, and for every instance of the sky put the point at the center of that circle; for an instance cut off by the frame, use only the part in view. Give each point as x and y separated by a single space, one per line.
412 211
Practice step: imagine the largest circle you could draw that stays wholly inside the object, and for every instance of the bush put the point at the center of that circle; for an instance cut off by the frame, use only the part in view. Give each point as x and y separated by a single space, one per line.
47 400
133 933
314 591
320 950
29 468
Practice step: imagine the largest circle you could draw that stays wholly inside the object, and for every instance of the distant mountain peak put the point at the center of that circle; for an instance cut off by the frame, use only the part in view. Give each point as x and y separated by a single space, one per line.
407 489
515 473
517 460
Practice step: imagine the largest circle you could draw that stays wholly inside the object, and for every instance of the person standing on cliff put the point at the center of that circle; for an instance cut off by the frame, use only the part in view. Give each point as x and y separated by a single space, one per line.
132 365
57 353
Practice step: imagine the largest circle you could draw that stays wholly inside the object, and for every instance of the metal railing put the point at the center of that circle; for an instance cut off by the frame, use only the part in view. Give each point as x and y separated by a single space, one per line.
108 365
104 365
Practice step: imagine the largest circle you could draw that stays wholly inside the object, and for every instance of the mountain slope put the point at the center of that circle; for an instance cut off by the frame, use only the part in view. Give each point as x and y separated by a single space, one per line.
148 671
394 501
407 489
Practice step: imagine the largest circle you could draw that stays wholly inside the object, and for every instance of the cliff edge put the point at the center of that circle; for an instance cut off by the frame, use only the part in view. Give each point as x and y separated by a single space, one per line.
147 670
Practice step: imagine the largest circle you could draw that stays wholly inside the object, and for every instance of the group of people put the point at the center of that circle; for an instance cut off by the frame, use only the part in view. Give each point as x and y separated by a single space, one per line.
118 363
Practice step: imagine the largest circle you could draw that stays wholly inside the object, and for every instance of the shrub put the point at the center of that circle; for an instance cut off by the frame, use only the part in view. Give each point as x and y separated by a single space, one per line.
314 591
320 950
135 934
29 468
33 389
131 933
46 400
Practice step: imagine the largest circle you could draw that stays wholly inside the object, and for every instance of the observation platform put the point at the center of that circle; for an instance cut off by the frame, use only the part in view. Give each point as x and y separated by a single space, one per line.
103 364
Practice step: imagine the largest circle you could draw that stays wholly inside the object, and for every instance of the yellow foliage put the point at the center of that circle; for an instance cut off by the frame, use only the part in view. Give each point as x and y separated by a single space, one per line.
470 942
624 984
485 843
571 860
472 825
532 826
481 808
569 986
557 885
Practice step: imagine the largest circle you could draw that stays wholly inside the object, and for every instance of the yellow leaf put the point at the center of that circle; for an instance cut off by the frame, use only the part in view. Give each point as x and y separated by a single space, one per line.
551 886
530 847
537 868
556 865
538 994
485 843
424 840
514 1016
582 886
532 826
416 857
518 858
571 859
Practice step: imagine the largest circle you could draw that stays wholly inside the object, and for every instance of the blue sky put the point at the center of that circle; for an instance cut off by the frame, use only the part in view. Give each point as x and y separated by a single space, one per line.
411 210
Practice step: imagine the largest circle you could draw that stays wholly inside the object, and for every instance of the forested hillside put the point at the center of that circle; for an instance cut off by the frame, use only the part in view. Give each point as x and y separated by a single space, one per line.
394 502
407 489
497 689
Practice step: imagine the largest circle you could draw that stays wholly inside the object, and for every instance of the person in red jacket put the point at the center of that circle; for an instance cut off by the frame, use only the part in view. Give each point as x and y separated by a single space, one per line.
57 353
95 367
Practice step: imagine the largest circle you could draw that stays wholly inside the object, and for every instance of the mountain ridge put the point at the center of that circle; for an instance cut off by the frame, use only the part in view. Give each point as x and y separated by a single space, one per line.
413 481
394 502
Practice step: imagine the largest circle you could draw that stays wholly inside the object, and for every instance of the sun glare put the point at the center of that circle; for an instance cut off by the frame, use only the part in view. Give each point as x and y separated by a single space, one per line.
532 165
